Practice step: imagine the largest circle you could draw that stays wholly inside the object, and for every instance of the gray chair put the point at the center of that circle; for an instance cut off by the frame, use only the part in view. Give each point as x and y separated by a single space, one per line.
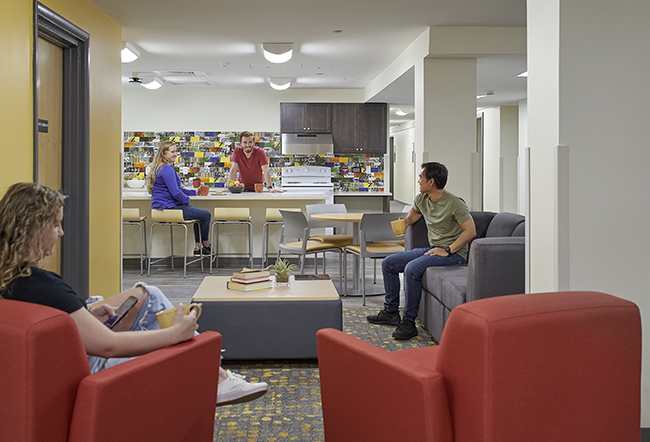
296 227
340 240
172 218
376 241
273 217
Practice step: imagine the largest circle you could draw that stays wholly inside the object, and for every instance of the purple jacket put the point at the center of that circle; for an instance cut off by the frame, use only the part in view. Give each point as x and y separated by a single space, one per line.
167 190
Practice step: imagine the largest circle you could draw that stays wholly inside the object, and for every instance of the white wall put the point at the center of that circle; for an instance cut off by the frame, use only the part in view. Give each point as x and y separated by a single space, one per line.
588 90
170 109
406 170
521 160
500 159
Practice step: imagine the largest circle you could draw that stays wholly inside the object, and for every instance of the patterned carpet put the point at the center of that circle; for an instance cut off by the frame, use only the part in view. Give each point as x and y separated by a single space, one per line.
291 410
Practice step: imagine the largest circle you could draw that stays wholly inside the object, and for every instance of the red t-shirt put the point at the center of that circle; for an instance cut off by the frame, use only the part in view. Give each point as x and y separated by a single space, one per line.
250 169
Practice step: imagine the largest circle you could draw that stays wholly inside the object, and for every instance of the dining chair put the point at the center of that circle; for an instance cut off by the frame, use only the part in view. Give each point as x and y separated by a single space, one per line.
296 227
341 240
376 241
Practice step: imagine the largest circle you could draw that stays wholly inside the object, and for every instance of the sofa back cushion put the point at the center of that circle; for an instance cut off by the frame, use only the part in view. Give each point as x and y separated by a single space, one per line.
482 221
503 224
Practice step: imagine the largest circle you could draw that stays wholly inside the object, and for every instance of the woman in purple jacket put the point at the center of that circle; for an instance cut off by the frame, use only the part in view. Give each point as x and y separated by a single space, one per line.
164 185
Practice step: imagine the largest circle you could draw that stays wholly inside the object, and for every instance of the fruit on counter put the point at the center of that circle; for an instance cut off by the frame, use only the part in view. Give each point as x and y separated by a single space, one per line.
234 183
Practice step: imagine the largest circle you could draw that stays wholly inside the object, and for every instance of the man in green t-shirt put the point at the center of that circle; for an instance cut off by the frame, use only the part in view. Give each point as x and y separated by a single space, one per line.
450 227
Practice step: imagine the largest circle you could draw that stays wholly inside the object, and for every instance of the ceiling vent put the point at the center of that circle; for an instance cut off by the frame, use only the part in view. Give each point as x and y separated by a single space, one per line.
188 82
180 73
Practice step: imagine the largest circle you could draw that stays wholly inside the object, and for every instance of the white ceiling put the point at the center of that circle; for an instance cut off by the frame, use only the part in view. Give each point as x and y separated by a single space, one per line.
222 40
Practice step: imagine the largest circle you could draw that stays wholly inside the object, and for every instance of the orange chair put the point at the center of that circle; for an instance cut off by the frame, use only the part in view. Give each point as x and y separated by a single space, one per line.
48 393
561 367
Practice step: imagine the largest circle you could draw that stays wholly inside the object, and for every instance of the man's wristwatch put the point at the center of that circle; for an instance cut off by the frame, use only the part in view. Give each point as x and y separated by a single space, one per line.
448 250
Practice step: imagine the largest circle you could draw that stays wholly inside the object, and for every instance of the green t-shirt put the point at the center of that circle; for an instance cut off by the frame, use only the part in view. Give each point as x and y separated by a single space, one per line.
443 218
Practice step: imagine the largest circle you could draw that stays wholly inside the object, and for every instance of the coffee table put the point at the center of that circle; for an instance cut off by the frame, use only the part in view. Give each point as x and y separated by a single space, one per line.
277 323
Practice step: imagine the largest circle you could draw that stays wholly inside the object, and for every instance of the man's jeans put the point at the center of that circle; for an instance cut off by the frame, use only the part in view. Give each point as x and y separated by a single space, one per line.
413 263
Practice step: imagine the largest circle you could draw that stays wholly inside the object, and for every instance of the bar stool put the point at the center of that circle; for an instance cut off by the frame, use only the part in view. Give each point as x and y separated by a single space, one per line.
273 217
231 215
131 216
173 218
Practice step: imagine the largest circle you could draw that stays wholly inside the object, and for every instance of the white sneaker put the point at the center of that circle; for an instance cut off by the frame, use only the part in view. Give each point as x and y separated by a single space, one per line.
235 390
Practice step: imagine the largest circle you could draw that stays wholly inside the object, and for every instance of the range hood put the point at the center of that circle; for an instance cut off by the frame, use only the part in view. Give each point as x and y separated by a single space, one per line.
307 144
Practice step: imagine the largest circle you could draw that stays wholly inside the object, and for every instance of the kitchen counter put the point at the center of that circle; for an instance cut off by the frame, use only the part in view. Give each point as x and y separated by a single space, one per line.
232 238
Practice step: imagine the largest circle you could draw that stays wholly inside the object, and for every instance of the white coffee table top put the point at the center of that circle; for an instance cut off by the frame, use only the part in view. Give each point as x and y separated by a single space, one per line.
213 289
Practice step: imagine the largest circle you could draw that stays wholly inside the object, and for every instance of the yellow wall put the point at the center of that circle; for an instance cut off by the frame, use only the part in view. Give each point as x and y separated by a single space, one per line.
16 122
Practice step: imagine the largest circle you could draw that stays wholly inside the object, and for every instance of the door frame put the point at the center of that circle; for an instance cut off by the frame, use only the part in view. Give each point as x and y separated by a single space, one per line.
75 246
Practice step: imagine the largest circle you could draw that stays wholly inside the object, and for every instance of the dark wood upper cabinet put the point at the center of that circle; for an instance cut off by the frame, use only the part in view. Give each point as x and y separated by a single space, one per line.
360 127
306 117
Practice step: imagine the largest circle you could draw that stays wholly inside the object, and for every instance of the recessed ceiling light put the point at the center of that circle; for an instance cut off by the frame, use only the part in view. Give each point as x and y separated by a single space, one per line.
280 83
153 84
278 52
523 74
400 112
129 52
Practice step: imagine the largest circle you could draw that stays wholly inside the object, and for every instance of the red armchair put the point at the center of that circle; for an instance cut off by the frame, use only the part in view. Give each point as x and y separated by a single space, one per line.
541 367
48 394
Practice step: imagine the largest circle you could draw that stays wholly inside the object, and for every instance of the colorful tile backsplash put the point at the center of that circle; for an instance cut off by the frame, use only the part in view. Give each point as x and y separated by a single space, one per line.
206 156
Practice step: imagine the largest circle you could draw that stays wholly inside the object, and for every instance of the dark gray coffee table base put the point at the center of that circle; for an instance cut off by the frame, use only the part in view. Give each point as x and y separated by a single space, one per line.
270 329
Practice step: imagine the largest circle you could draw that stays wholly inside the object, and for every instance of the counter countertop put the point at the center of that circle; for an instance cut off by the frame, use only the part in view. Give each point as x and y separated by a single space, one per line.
131 195
357 193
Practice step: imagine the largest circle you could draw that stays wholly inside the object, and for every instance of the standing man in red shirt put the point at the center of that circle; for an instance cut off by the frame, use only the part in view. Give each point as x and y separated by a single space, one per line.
250 161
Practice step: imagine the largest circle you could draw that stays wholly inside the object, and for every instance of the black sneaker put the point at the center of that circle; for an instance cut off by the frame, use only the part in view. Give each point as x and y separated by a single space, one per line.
405 331
207 251
384 317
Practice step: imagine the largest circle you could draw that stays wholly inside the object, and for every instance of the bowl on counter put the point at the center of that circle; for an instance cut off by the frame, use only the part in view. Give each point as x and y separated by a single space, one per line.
135 183
235 189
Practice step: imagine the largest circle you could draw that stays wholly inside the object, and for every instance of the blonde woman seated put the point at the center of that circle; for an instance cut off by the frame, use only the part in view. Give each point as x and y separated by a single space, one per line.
30 225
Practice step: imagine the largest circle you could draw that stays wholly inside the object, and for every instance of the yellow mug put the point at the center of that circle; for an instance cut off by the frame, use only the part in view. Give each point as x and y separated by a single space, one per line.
166 317
399 227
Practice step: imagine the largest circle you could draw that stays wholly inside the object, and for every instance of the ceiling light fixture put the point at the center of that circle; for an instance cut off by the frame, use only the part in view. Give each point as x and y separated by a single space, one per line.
400 112
280 83
129 52
153 84
278 52
523 74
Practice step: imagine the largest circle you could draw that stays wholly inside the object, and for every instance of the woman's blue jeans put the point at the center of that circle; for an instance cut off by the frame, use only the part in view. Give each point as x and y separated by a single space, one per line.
413 263
191 212
146 320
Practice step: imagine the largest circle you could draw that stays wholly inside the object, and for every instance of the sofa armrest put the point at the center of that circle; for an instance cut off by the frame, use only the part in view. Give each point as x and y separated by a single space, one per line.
369 394
168 394
496 267
416 235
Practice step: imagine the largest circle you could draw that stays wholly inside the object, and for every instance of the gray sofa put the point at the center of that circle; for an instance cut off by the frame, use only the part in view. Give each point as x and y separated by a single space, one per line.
495 267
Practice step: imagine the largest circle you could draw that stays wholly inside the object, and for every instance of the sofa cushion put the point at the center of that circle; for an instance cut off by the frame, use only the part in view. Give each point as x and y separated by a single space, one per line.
503 224
434 278
454 291
482 221
520 230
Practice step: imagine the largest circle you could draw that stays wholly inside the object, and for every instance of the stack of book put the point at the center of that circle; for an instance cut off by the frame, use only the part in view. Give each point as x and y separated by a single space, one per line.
249 280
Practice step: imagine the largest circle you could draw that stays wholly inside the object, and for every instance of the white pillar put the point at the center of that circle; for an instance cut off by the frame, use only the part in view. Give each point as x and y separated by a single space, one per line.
445 119
588 98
